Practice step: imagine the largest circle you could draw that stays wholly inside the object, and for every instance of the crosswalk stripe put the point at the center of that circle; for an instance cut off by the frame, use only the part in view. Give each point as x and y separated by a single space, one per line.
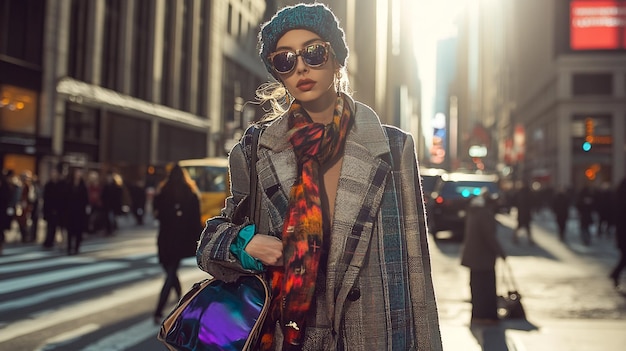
17 303
33 280
126 338
11 258
44 264
81 309
67 337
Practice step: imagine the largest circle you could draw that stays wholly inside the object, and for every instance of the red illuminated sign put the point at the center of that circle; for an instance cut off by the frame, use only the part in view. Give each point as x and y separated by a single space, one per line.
598 25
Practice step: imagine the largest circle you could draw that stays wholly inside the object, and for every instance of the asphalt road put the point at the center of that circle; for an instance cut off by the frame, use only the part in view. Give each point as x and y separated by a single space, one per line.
103 298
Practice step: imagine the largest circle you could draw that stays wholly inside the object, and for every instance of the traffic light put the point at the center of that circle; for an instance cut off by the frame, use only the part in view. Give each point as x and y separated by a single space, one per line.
586 146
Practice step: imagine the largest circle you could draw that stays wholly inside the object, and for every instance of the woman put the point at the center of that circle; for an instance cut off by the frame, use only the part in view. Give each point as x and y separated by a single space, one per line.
479 253
342 237
177 207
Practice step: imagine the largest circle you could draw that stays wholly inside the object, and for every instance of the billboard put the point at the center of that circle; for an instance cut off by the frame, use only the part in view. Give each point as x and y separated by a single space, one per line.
598 24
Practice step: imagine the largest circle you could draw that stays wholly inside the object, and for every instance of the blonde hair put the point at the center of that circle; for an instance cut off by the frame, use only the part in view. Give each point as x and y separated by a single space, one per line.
276 95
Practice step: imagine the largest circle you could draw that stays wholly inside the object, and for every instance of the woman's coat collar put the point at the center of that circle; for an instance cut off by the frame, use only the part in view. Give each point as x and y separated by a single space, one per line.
366 131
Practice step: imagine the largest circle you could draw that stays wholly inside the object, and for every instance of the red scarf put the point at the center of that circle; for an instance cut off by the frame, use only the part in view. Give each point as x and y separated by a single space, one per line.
294 285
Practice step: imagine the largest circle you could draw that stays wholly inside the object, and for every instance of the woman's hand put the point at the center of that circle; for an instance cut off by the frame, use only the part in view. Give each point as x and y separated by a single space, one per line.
267 249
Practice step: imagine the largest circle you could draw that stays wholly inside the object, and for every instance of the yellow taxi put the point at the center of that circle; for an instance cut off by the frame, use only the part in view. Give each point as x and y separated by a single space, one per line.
211 177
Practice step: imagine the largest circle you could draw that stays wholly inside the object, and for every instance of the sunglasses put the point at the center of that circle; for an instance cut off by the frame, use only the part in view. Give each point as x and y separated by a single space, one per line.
314 55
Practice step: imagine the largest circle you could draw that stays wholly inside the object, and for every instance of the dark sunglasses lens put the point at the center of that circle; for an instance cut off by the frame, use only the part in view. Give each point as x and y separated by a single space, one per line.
314 55
284 62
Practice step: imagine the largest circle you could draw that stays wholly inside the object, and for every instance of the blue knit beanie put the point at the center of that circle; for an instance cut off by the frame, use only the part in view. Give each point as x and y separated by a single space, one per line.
316 18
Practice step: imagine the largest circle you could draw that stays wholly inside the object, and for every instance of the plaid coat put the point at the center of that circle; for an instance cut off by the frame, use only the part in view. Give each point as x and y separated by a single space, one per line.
378 288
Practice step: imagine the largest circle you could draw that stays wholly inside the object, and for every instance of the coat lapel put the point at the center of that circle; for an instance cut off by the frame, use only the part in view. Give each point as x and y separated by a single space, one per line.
361 185
359 195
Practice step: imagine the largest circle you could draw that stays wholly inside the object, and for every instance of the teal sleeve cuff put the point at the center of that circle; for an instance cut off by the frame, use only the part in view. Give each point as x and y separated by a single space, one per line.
239 244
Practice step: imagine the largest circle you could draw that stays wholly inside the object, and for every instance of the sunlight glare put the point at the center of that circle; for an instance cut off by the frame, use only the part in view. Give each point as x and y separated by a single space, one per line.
434 20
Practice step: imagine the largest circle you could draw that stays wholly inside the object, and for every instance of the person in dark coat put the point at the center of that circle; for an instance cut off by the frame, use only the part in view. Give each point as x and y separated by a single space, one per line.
138 200
53 201
177 207
26 200
620 230
6 198
480 250
75 213
585 204
112 193
604 209
560 207
524 203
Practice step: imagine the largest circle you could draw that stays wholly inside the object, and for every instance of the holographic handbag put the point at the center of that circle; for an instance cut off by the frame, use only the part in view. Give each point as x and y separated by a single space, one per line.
215 315
219 316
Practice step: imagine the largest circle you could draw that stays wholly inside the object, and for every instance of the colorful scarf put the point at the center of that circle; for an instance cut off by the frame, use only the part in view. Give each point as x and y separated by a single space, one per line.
293 284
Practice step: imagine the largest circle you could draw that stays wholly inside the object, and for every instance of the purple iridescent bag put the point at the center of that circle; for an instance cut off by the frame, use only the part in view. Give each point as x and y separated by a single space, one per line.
215 315
219 316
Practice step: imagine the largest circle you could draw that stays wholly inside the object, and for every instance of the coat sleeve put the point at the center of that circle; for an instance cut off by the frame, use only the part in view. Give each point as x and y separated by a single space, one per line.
422 289
213 254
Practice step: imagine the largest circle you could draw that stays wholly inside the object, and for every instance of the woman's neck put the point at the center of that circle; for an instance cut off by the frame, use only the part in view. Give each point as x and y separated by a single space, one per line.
322 110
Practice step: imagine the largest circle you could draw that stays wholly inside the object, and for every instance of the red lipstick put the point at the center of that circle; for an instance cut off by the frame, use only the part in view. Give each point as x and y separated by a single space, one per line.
305 84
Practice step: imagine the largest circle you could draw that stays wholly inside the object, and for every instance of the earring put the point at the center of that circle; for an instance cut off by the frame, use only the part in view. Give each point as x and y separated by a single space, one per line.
338 80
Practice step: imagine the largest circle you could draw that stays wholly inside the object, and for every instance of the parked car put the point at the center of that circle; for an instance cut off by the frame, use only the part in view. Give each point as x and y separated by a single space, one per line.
447 206
430 178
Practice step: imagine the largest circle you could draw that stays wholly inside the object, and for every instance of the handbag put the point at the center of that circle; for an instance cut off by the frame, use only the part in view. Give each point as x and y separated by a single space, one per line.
215 315
510 305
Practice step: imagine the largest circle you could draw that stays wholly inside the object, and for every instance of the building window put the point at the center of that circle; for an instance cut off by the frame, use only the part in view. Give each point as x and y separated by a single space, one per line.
21 25
111 50
141 54
203 64
229 23
78 40
592 84
186 56
168 45
81 125
18 109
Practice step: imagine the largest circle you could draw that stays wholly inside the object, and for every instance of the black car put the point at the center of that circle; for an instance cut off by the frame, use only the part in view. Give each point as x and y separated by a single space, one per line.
430 178
447 206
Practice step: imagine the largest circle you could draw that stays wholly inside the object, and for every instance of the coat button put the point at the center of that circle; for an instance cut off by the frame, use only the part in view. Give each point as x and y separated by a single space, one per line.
354 294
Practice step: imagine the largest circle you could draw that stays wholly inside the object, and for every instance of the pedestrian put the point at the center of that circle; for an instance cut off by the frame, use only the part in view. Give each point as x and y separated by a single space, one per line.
75 211
96 217
620 230
560 207
524 203
6 210
342 236
25 205
604 209
480 250
54 197
112 193
137 194
35 214
177 207
585 205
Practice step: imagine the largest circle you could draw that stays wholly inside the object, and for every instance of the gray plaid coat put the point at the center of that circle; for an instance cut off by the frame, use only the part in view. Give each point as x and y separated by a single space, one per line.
378 293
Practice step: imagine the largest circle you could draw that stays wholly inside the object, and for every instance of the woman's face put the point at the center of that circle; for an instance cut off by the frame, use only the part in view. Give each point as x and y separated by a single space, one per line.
309 85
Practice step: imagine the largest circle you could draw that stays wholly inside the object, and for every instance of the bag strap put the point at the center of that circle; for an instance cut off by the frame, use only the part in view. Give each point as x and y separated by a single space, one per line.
255 199
507 276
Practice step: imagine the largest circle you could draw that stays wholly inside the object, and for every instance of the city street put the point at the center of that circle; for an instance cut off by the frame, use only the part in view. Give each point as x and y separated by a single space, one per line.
570 302
103 298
